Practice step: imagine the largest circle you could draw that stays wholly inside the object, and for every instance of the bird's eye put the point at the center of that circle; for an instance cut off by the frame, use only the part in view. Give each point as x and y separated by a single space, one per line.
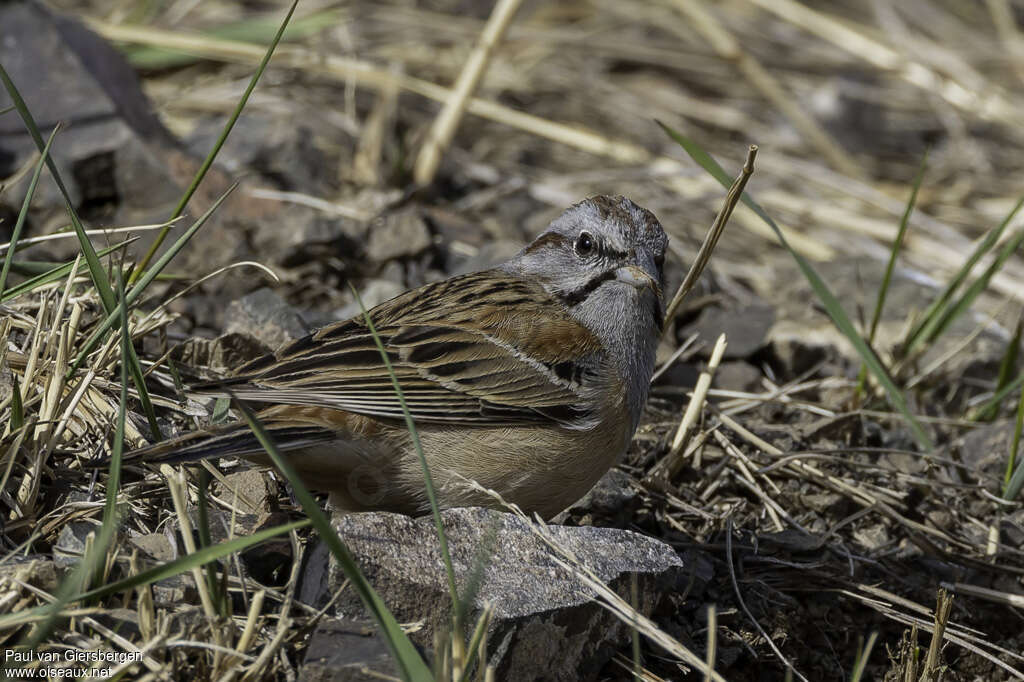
585 244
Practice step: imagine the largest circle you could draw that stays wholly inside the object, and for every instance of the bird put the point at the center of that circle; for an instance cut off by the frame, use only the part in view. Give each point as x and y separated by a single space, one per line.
528 378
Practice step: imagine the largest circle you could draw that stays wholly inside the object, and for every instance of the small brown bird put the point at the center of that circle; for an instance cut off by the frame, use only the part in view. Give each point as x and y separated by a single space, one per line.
528 378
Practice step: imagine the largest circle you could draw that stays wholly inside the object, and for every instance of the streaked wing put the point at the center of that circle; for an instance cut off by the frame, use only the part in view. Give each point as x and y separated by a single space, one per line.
485 348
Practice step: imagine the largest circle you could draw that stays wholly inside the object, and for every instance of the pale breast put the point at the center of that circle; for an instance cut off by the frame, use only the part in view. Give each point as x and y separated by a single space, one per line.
541 469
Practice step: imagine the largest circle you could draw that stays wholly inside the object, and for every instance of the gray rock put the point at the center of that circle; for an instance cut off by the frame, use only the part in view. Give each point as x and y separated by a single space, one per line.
156 549
613 494
155 545
290 232
273 145
399 234
224 353
486 256
71 542
873 538
746 329
266 316
36 570
737 376
372 292
1012 529
545 623
346 651
67 73
250 491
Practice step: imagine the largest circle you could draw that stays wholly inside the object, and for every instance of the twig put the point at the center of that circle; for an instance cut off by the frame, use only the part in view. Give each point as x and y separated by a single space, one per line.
943 604
743 604
700 392
679 352
711 239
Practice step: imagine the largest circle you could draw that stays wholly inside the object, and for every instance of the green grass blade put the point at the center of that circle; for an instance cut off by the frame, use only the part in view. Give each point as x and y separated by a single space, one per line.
1015 479
213 585
998 397
34 268
404 653
139 379
473 648
190 561
825 295
1007 366
96 271
58 273
208 161
23 214
17 409
82 574
160 572
863 657
883 290
933 314
99 276
140 286
475 577
93 560
1009 361
114 476
428 480
256 30
952 312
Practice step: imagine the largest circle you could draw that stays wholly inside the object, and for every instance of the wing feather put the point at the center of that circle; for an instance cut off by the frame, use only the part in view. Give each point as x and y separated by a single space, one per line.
486 348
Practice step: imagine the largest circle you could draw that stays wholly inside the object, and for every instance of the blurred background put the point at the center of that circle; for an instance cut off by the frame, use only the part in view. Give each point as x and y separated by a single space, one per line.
844 100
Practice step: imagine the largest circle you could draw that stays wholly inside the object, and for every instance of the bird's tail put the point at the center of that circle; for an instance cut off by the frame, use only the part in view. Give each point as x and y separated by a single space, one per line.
227 440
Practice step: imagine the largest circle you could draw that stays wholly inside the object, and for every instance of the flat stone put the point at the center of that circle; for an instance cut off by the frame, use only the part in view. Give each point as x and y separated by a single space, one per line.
737 376
222 354
110 143
70 546
372 293
34 569
265 316
250 491
347 651
399 234
745 328
545 623
156 545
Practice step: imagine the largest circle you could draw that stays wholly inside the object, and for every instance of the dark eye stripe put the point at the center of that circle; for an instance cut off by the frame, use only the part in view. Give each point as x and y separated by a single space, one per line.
574 298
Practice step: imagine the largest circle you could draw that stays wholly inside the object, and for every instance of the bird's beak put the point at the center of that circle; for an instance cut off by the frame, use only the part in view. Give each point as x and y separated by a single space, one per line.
637 277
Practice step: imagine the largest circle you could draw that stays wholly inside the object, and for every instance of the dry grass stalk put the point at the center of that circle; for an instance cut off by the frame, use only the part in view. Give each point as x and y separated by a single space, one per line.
988 103
672 462
604 595
732 197
731 50
932 661
739 598
447 122
668 170
366 164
